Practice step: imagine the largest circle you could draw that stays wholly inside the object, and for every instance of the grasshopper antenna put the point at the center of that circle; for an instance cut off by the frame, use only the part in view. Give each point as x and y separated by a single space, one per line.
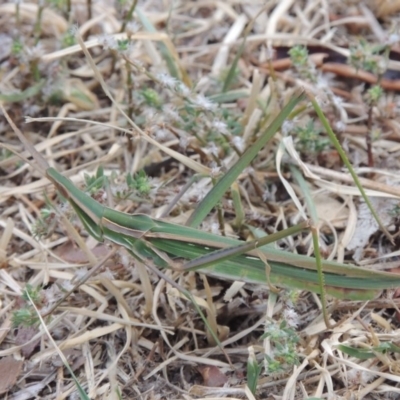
42 163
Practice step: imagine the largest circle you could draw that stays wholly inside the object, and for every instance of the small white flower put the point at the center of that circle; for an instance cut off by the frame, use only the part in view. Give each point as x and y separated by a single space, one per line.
266 195
287 127
215 228
117 189
215 172
238 142
75 396
74 29
255 215
382 66
167 80
161 134
184 142
367 377
269 53
52 294
291 317
150 114
322 100
183 89
204 103
108 42
220 126
213 149
124 258
80 273
393 39
171 113
358 377
199 194
108 274
34 53
132 27
322 82
337 101
340 126
249 170
67 285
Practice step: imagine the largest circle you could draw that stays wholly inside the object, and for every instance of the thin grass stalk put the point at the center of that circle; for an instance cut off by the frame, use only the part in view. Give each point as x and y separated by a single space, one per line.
346 161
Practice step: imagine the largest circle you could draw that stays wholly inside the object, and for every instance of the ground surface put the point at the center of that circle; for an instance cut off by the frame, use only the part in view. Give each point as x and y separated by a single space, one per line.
183 73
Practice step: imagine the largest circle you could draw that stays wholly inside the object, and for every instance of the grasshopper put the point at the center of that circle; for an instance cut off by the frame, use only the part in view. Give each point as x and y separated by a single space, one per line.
165 243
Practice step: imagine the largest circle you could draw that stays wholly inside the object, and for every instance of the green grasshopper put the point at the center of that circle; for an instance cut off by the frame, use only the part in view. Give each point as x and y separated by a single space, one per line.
166 243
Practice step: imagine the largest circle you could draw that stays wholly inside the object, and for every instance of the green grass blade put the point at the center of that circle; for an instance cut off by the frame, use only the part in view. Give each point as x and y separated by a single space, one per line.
229 97
346 161
215 194
166 54
299 178
229 252
24 95
232 70
315 236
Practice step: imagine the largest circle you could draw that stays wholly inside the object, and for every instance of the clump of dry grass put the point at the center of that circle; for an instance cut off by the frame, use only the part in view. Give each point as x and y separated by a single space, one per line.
192 86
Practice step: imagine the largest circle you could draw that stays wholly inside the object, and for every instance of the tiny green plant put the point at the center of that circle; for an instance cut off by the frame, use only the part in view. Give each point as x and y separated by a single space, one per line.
44 224
17 47
58 4
301 61
139 183
151 98
283 357
68 39
395 211
366 56
374 94
5 153
33 293
97 182
309 138
181 108
26 315
253 371
283 341
123 45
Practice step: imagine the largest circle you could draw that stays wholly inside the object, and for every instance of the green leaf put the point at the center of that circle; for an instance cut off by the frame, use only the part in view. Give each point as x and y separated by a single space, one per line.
361 354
